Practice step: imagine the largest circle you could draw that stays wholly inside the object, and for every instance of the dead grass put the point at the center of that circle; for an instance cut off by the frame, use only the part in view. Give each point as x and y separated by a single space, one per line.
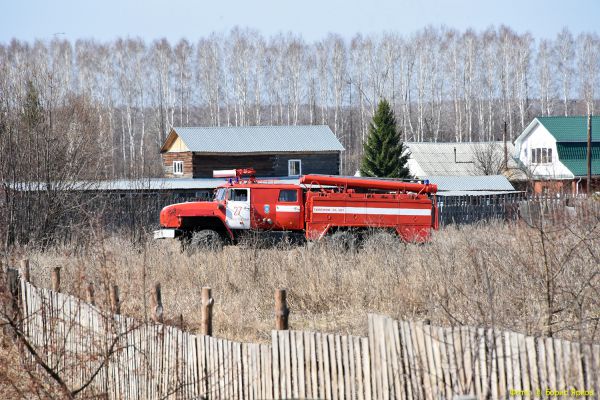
498 274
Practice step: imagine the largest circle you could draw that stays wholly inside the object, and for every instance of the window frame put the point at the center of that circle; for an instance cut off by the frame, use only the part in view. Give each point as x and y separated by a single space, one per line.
231 191
299 167
541 155
288 201
220 194
177 171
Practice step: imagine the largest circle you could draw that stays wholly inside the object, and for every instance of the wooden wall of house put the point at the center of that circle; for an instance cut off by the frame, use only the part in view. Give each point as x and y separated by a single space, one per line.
186 157
266 164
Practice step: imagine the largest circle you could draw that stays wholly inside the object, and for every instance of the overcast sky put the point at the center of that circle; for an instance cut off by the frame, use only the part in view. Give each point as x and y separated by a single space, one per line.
313 19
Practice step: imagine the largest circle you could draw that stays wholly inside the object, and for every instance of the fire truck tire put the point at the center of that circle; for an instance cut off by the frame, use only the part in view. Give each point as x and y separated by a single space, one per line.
206 239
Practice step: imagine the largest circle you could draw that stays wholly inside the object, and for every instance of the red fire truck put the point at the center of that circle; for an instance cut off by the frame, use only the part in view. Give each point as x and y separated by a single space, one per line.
319 206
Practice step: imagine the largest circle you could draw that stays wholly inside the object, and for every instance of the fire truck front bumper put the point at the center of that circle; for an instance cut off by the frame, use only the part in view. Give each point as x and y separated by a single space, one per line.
167 233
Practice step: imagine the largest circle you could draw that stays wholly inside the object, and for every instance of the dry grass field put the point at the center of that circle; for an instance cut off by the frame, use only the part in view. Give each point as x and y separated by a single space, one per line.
509 275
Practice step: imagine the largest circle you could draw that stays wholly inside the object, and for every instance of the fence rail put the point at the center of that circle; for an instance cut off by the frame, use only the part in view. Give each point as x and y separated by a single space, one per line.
126 359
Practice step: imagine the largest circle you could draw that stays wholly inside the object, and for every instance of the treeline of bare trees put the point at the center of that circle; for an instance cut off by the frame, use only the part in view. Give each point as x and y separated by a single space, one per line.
443 85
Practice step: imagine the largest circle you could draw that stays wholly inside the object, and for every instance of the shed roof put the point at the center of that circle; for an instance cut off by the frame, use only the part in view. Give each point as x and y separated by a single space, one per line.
485 183
451 193
570 129
437 159
255 139
150 184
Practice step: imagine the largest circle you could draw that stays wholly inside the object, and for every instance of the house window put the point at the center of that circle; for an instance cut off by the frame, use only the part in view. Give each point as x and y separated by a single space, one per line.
541 156
177 167
294 168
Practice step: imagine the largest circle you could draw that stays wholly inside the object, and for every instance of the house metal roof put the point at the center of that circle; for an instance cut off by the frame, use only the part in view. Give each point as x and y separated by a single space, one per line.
486 183
475 193
447 185
570 129
258 139
437 159
574 157
143 184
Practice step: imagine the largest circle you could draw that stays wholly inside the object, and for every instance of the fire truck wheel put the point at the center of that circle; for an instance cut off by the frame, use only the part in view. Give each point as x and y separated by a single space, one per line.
206 239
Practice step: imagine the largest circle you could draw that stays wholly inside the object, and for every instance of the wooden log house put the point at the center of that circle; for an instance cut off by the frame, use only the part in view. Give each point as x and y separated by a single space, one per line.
273 151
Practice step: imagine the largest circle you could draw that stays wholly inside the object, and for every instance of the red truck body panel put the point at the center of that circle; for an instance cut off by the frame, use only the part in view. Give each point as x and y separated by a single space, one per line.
411 216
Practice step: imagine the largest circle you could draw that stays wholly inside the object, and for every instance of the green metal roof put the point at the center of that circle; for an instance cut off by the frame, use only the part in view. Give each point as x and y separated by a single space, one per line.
574 157
571 129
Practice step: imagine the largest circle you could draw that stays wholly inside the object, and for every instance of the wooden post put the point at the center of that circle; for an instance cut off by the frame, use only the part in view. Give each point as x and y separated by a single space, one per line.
207 305
115 303
12 305
505 135
56 279
157 309
89 294
25 270
12 278
281 310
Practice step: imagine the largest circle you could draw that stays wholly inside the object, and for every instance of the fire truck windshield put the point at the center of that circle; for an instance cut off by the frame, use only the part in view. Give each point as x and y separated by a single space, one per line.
220 194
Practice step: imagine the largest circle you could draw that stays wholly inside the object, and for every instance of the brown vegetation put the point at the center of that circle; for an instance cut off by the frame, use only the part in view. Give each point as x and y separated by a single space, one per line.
538 281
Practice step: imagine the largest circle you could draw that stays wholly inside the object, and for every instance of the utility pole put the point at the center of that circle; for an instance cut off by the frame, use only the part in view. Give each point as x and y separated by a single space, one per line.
505 148
589 155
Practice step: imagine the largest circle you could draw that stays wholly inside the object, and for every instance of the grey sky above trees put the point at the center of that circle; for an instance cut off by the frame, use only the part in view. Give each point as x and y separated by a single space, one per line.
313 19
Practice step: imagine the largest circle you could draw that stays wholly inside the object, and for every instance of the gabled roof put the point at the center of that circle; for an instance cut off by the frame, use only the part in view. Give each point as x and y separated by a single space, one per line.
574 157
437 159
571 129
255 139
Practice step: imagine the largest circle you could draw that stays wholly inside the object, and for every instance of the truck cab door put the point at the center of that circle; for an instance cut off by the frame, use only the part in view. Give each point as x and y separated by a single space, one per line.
237 211
289 209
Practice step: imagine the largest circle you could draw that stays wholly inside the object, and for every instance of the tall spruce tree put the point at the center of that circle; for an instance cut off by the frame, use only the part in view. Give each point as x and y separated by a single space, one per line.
383 152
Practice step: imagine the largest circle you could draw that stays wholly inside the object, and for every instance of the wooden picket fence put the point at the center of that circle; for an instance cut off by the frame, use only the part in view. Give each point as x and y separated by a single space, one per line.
126 359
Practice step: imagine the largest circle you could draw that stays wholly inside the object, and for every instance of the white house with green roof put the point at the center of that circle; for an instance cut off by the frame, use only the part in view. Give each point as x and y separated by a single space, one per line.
555 149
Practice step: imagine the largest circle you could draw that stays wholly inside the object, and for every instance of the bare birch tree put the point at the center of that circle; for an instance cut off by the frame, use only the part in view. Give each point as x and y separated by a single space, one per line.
209 76
588 64
565 61
183 53
545 72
